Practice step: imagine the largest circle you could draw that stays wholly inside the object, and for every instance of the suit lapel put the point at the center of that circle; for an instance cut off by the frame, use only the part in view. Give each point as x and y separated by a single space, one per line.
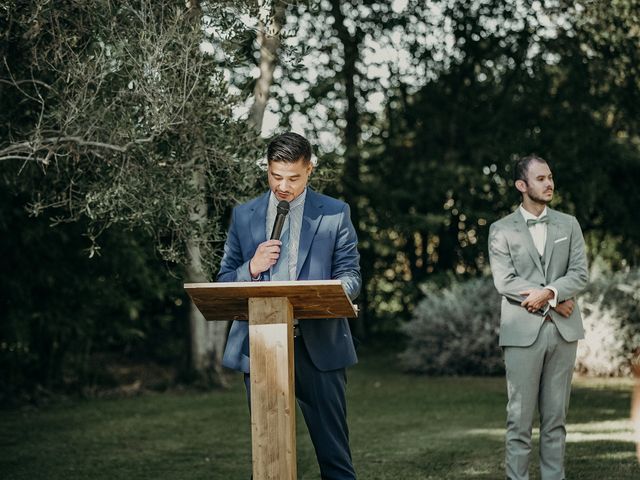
259 220
552 234
310 221
523 231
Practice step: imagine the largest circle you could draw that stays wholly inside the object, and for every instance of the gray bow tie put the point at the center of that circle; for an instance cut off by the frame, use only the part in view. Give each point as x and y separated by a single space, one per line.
534 221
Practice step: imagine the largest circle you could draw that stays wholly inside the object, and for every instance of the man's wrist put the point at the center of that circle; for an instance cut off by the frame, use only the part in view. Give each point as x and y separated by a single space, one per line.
255 277
552 293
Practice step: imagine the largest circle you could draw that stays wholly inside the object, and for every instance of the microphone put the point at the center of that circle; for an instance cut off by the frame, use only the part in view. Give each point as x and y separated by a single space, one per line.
283 210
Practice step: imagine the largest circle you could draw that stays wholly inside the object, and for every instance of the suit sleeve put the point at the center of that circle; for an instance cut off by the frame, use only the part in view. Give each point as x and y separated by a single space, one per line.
233 267
577 276
505 278
346 259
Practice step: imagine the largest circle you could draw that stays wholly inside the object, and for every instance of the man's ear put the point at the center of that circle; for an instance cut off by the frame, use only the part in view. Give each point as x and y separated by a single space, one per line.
521 185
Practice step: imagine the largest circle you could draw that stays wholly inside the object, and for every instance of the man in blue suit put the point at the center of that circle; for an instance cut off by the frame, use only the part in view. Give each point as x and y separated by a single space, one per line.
318 242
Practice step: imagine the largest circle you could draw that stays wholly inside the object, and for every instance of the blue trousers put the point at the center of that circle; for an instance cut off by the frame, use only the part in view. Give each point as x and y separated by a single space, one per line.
321 396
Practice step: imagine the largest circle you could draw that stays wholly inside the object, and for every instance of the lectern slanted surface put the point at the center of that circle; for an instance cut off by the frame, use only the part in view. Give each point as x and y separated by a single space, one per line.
310 298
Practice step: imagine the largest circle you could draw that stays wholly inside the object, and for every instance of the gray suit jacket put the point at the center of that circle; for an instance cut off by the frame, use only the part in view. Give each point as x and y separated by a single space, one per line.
517 266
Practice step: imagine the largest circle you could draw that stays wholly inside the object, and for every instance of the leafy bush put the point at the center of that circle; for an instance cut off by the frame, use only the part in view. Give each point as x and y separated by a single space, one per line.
611 314
455 331
60 309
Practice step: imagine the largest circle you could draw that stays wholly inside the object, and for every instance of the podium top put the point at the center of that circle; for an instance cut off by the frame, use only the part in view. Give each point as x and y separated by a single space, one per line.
310 298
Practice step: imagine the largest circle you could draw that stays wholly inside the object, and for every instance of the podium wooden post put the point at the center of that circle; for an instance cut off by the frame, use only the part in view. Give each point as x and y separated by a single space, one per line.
270 308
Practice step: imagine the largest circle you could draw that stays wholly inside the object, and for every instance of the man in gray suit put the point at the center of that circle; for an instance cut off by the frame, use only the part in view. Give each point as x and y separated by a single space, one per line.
539 265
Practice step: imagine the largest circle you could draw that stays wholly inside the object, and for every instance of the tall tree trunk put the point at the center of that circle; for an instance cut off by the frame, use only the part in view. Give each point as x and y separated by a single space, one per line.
207 339
353 187
268 38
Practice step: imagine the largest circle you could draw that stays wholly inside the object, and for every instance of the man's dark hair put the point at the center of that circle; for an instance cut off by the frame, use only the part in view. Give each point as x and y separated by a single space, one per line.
521 166
289 147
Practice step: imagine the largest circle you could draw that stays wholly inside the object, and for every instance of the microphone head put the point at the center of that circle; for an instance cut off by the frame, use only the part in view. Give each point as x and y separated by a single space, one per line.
283 207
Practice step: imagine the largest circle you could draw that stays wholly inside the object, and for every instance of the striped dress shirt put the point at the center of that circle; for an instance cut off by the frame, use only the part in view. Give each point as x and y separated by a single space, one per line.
294 219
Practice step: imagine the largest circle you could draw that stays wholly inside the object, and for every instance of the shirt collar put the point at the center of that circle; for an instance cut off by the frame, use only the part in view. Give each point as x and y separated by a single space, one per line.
296 202
528 215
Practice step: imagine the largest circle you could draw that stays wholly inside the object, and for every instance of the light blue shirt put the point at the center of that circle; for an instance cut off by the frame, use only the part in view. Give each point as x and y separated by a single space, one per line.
294 220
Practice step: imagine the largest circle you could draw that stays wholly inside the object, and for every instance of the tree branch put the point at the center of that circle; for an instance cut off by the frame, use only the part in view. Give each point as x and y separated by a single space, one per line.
32 147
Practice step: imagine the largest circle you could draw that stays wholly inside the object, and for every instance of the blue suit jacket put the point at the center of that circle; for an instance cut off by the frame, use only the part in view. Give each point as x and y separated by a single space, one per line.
327 250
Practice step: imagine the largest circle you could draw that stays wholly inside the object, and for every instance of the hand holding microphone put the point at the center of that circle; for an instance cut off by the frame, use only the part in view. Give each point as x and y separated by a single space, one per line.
268 252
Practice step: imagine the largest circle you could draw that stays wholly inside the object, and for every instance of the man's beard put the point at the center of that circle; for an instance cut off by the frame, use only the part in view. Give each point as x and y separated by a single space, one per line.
539 199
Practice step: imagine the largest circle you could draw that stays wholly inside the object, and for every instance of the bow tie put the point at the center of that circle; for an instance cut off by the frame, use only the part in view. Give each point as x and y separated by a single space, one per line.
534 221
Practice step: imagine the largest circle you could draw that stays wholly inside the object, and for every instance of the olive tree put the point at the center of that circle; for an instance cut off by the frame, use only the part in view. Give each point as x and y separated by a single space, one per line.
119 112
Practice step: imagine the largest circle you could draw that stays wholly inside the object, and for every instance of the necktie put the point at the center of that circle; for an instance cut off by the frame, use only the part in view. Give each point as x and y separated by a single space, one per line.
534 221
280 271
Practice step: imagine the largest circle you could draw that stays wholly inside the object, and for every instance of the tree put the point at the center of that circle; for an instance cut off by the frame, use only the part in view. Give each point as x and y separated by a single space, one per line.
326 89
501 81
464 87
268 38
119 113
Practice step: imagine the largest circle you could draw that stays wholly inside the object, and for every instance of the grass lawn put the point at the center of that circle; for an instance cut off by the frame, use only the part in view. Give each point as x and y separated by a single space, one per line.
402 427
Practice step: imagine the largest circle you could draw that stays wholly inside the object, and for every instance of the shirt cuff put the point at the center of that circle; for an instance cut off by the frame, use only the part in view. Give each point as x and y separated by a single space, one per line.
553 303
257 278
242 273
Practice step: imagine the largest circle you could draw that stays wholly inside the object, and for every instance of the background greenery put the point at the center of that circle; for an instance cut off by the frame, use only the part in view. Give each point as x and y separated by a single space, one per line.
454 329
130 128
123 147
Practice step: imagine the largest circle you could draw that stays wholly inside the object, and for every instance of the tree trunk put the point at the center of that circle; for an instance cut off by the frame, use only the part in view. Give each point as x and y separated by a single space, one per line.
207 338
352 155
268 38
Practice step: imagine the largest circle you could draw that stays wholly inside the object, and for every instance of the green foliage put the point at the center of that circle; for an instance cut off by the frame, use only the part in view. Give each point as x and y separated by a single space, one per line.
609 34
462 88
512 87
117 127
113 113
611 314
454 330
120 115
60 308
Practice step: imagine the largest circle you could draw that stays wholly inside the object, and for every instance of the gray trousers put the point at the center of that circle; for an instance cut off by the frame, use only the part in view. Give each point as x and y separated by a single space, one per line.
538 377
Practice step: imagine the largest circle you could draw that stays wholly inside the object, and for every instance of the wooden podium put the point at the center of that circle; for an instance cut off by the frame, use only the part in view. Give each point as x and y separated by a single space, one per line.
270 308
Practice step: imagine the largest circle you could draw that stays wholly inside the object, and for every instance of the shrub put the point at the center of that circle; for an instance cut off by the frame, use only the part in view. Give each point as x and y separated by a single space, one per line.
611 313
455 331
